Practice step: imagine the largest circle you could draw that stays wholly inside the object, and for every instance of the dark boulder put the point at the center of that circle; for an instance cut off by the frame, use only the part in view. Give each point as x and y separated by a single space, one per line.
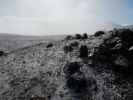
67 48
75 44
72 68
116 51
85 36
83 51
77 82
78 36
49 45
127 37
81 84
69 37
121 61
99 33
2 53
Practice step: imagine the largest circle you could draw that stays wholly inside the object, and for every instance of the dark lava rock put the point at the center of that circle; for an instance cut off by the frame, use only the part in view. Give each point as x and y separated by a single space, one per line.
69 37
2 53
77 82
78 36
67 48
74 44
49 45
83 51
127 37
99 33
116 50
72 68
121 61
85 36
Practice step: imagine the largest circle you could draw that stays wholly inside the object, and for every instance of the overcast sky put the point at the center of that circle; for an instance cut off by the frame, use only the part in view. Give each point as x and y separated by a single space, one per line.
46 17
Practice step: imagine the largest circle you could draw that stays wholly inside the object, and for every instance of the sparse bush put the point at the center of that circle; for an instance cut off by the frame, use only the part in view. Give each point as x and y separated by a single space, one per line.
49 45
85 36
78 36
69 37
127 37
83 51
77 80
99 33
74 44
68 48
2 53
77 83
71 68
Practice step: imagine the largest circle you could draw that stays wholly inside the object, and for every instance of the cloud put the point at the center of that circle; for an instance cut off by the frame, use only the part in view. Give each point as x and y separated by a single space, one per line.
42 26
40 17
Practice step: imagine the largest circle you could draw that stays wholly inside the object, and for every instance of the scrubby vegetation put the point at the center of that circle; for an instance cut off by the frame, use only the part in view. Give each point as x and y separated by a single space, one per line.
82 67
78 36
49 45
76 79
85 36
99 33
75 44
83 51
68 48
69 37
2 53
71 68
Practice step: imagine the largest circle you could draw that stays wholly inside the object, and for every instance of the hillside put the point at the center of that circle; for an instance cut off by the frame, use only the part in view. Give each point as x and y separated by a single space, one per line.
10 42
95 68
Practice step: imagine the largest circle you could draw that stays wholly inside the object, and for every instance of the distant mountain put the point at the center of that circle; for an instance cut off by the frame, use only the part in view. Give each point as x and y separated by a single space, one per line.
111 25
9 42
128 26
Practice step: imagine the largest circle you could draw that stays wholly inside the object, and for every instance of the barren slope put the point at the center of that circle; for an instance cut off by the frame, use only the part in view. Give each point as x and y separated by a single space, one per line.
40 73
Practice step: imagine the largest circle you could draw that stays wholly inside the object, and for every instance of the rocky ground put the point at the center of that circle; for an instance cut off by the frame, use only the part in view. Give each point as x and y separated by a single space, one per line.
98 67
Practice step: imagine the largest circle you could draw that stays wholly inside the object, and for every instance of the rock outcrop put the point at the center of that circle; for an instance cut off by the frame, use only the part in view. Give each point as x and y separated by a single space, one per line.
98 67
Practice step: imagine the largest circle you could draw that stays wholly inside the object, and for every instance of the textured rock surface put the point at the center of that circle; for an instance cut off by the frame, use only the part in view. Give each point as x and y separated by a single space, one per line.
41 73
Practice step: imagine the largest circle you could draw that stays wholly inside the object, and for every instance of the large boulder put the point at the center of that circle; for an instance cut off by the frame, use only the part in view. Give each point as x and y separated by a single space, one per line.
99 33
121 61
72 68
116 50
127 37
77 83
49 45
74 44
67 48
83 51
78 36
85 36
2 53
69 37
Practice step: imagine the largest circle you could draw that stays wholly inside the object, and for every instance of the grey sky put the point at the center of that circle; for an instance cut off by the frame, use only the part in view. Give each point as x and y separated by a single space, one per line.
42 17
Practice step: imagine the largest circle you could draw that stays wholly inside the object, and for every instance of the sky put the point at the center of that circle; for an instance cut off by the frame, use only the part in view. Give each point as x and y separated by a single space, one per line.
51 17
